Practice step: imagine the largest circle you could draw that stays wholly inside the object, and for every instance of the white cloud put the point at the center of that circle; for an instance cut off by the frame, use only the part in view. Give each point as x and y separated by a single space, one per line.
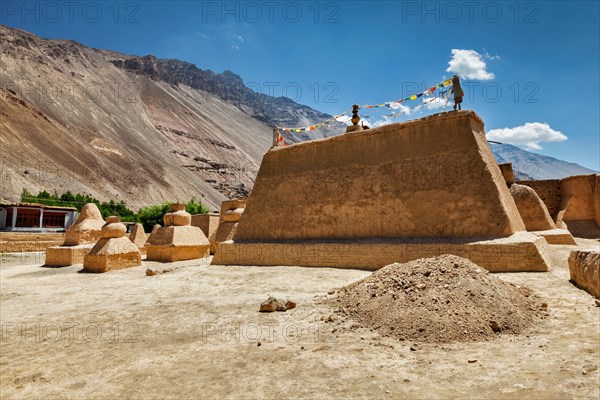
400 108
436 103
469 64
383 121
237 40
529 135
491 57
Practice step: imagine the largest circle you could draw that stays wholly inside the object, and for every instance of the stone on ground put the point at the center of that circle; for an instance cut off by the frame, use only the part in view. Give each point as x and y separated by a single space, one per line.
272 304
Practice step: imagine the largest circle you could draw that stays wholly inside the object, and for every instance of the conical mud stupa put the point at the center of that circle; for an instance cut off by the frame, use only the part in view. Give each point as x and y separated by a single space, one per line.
79 239
533 211
139 237
394 193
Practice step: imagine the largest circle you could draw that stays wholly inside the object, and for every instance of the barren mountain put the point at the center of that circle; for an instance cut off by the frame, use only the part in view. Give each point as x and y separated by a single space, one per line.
129 128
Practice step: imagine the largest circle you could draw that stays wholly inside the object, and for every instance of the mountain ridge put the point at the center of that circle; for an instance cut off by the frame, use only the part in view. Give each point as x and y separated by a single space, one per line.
226 85
536 166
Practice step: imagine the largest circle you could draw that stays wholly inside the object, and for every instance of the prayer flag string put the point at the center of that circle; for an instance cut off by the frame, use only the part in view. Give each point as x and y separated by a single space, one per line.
343 117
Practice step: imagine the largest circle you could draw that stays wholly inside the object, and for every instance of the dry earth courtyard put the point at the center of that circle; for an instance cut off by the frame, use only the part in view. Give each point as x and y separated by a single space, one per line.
194 331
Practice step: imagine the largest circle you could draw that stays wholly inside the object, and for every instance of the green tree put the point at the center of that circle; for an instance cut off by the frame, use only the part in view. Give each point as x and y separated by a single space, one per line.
152 215
26 196
194 207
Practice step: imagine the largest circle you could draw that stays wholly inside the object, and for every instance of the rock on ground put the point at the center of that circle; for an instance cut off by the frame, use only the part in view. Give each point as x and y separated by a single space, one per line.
272 304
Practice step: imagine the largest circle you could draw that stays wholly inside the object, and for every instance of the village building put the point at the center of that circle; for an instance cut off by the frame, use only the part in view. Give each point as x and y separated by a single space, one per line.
33 217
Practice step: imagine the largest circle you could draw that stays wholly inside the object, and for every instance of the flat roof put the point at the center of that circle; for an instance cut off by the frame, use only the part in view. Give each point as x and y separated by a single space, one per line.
36 205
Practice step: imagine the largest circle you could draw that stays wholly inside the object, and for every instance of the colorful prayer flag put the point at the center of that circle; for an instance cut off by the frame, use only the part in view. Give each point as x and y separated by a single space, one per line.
344 117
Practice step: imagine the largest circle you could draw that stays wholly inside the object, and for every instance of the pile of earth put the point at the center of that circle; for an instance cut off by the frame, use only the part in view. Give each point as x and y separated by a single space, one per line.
440 299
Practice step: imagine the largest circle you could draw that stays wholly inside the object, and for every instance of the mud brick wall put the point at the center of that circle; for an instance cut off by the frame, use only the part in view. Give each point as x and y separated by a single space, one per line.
402 180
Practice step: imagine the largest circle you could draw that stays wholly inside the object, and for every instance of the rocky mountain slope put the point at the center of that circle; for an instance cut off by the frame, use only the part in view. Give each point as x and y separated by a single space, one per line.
129 128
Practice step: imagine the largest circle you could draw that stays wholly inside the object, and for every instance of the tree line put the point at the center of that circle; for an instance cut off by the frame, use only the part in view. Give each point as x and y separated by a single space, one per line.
147 216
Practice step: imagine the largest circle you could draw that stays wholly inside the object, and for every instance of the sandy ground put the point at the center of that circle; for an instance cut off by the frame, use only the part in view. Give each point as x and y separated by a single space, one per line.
194 332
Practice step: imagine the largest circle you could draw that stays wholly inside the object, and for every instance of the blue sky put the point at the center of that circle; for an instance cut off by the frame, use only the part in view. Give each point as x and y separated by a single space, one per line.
530 67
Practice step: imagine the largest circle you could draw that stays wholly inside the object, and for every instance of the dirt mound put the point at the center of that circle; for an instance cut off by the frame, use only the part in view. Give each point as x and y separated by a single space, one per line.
441 299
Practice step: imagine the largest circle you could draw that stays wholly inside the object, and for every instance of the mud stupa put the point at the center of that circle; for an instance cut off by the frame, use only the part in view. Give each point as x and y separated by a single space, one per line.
139 237
113 250
209 223
231 212
390 194
536 217
177 240
79 239
533 210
